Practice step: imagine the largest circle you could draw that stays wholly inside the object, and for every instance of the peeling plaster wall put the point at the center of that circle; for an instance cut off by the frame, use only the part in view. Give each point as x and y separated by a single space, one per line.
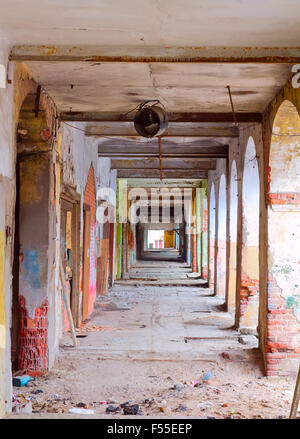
78 152
11 98
284 206
237 153
282 342
237 150
107 189
10 101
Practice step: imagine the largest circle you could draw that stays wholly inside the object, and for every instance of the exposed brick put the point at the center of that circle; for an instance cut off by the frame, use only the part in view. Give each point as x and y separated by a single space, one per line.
33 340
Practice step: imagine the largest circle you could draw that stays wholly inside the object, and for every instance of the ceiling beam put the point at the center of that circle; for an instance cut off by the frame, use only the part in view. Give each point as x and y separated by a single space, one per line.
167 164
181 155
156 54
155 173
160 184
79 116
146 152
179 129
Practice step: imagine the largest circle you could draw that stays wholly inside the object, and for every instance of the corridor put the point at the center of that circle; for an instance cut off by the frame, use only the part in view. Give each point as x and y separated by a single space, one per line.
152 345
149 207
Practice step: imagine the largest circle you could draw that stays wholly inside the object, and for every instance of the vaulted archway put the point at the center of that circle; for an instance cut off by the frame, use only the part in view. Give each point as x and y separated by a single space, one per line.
283 315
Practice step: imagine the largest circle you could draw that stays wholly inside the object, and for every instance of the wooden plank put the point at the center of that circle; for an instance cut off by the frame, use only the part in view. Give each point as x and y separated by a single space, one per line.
296 397
67 302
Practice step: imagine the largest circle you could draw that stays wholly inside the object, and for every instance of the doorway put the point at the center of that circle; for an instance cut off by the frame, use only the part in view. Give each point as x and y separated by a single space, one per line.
70 245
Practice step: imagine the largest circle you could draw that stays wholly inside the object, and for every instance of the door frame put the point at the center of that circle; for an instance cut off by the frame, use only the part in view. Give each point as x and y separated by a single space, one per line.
71 196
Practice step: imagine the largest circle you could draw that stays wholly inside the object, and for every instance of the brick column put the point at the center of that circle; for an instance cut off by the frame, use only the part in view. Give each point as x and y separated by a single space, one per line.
282 341
33 340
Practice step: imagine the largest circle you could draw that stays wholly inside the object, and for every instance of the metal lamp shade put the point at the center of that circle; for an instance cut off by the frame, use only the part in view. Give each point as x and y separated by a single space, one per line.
151 121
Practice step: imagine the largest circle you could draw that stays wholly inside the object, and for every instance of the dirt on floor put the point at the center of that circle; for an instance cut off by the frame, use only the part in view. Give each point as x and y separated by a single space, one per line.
171 350
236 388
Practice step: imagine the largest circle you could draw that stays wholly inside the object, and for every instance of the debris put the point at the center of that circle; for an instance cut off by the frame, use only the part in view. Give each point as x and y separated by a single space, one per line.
37 391
124 404
22 380
225 355
149 401
248 340
113 409
177 387
203 405
23 408
131 409
79 411
181 408
82 405
206 376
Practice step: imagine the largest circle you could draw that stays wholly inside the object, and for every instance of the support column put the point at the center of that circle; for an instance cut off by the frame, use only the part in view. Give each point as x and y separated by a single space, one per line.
124 251
204 234
188 232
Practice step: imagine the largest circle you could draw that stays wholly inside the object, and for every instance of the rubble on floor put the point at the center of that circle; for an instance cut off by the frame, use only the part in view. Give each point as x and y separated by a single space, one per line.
141 358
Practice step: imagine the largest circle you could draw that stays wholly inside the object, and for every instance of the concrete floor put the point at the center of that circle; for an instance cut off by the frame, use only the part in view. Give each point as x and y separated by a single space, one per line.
142 340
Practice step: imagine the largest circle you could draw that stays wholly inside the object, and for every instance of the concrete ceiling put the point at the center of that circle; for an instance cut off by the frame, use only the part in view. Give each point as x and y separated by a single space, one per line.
152 22
139 25
101 57
118 87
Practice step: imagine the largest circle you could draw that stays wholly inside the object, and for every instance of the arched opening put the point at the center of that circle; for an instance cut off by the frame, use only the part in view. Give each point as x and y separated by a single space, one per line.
283 245
29 329
233 238
221 244
249 289
212 235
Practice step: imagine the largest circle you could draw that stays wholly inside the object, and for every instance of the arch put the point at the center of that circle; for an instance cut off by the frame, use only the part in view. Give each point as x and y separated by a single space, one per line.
212 234
31 240
221 239
233 216
249 288
283 242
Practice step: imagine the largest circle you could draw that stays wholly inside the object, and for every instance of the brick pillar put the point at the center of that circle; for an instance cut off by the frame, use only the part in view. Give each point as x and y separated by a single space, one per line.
283 336
33 341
